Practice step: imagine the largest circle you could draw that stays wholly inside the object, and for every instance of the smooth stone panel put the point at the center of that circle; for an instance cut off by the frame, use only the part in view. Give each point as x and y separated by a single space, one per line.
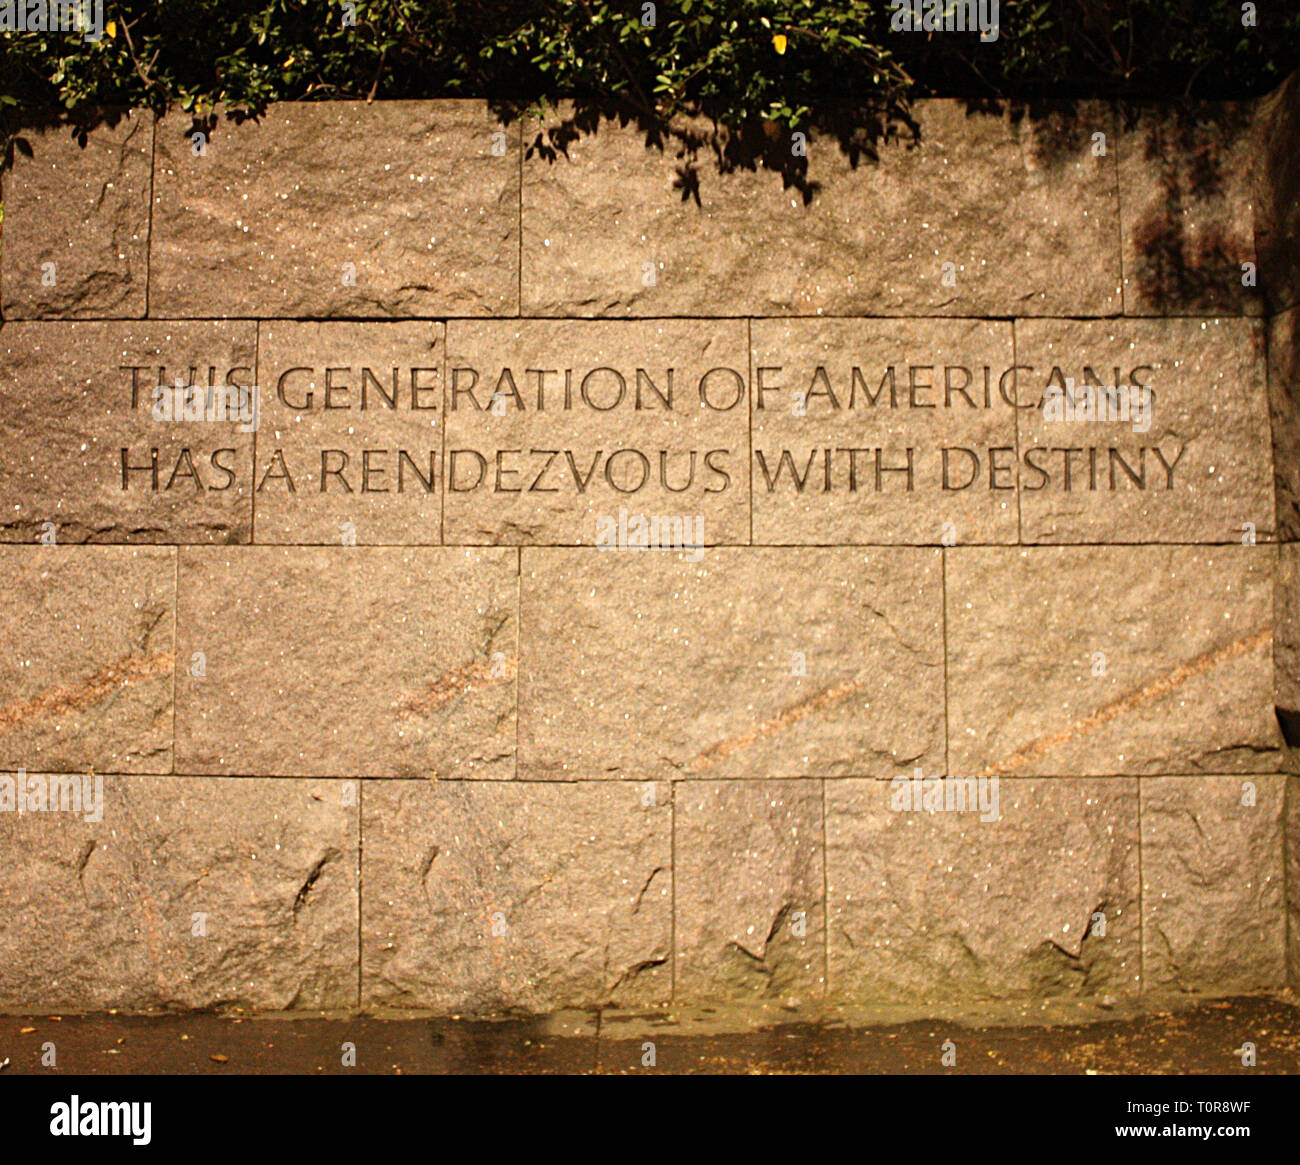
82 207
336 461
189 893
750 890
1018 205
347 661
947 906
1213 889
346 208
1192 464
562 432
938 392
1187 206
1108 660
485 898
748 663
86 676
94 454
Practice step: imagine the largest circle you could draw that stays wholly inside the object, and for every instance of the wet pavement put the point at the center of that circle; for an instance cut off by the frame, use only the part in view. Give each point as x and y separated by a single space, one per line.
1209 1037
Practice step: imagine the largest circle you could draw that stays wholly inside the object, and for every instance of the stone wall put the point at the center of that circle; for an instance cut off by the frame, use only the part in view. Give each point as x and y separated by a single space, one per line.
389 709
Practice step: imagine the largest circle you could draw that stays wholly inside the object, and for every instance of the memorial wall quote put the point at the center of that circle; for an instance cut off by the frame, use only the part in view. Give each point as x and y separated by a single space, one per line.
533 432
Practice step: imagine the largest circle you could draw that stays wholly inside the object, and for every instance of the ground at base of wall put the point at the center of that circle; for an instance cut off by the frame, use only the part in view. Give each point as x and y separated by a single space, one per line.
1205 1037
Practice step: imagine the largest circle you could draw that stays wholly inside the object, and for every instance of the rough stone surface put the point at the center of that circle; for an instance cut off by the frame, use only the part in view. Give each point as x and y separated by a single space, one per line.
332 450
70 403
267 219
1213 890
1208 421
651 782
750 889
83 207
1293 879
818 377
361 661
1286 643
1017 203
86 675
602 439
1105 660
1187 202
751 663
490 898
935 906
102 914
1284 407
1277 178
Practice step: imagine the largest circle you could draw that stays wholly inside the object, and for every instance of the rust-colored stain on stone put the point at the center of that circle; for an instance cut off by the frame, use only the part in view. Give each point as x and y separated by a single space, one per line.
1137 698
766 729
67 698
454 684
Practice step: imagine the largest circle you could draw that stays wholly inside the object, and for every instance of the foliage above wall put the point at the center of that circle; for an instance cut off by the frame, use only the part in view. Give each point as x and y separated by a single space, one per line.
736 60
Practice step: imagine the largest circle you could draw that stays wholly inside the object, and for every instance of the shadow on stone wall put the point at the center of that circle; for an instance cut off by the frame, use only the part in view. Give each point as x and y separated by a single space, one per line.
1277 241
1278 224
1188 240
859 133
17 131
702 146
